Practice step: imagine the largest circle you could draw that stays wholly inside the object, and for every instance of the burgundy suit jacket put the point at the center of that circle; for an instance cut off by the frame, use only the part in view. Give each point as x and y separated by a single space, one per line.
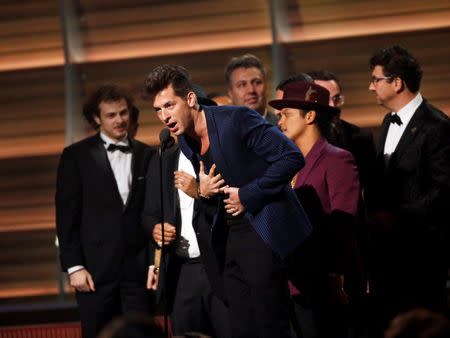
329 190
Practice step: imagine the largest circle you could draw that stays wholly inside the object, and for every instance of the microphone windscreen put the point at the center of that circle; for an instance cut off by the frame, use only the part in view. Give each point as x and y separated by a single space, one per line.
164 136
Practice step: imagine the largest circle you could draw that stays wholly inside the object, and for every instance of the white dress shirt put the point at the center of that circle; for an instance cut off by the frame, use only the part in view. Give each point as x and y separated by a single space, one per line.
395 131
188 245
121 166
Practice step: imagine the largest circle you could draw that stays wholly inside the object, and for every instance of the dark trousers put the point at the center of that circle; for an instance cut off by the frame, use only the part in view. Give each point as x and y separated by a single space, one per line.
317 318
407 272
255 284
98 308
195 307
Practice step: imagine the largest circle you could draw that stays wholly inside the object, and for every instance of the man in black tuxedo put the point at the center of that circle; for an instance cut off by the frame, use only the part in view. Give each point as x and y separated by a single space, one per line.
99 198
408 200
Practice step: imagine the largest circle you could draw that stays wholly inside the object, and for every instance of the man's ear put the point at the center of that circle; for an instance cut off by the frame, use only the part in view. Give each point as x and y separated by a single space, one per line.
97 120
399 84
191 99
310 116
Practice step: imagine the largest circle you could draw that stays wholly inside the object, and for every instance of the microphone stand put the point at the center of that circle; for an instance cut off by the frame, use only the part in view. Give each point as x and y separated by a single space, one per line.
163 268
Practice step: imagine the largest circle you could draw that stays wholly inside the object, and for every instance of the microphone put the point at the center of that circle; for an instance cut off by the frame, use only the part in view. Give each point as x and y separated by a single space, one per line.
166 141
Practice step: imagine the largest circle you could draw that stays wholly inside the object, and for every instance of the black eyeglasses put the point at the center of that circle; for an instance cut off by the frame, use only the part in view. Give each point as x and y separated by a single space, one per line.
374 80
338 100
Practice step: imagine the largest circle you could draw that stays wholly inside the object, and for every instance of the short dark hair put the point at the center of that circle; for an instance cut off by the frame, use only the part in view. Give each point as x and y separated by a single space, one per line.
164 75
301 77
324 75
243 61
106 93
398 62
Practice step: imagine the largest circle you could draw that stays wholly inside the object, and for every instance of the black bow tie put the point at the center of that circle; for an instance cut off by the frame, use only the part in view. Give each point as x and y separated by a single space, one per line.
394 118
113 147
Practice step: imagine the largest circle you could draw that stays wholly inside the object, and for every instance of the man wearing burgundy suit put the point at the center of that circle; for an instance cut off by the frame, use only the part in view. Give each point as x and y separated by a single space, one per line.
408 200
328 187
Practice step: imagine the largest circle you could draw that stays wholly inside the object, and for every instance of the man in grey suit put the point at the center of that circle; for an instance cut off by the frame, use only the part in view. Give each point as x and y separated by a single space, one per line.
408 200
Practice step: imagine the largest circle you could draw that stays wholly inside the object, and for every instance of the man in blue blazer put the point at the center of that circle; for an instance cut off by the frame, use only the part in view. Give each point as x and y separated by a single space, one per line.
256 218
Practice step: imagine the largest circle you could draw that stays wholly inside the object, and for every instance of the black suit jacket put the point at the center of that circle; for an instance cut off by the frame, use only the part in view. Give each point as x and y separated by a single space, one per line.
152 214
360 143
94 228
415 184
414 189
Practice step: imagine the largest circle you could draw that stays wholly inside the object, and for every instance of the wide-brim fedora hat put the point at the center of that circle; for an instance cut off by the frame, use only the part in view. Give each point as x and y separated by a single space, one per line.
306 96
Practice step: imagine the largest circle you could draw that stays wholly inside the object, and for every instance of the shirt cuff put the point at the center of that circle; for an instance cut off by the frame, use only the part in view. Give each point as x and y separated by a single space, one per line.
75 268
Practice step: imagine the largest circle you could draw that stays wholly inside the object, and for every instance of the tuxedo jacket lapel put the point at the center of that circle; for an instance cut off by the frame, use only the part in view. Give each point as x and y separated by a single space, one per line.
411 130
383 134
216 148
135 164
170 165
100 156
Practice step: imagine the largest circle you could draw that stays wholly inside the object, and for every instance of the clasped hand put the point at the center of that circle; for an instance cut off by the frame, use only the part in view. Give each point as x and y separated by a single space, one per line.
233 203
170 233
186 183
210 184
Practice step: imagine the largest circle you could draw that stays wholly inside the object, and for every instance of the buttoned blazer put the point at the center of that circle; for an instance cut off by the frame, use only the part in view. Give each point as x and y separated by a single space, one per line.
257 158
95 229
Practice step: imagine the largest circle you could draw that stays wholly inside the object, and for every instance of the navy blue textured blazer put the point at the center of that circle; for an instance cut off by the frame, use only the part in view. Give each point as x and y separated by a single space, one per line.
256 157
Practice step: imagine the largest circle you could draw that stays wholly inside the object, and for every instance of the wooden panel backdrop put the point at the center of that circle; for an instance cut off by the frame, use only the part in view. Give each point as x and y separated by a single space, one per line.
124 40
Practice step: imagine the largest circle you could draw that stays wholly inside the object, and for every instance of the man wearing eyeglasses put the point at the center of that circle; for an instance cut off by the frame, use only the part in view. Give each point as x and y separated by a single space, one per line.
409 196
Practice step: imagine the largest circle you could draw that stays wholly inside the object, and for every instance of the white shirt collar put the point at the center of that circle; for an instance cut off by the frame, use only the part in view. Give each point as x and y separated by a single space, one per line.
265 113
407 111
107 140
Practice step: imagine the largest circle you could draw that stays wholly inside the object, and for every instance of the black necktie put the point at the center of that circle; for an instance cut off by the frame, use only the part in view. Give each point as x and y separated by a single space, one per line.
113 147
394 118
